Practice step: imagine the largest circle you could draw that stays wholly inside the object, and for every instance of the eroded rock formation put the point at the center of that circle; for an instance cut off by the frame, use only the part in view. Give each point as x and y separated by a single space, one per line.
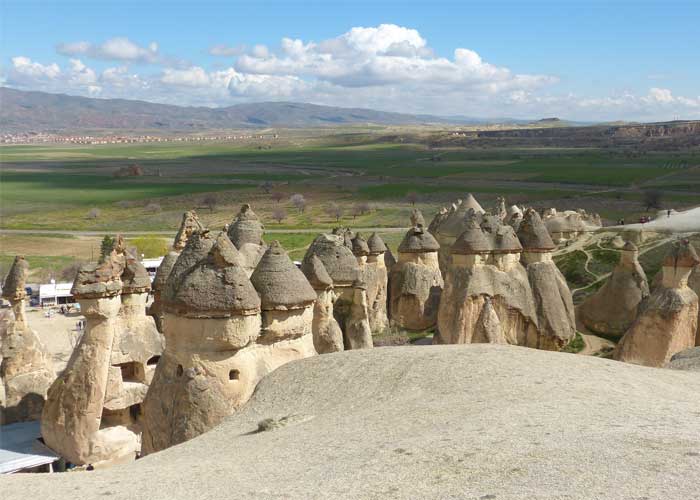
25 368
504 288
416 281
328 337
93 411
218 345
613 308
376 276
190 223
667 319
246 233
569 224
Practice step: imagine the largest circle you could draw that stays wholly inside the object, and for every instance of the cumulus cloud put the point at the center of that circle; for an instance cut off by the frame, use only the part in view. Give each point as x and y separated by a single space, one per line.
114 49
386 67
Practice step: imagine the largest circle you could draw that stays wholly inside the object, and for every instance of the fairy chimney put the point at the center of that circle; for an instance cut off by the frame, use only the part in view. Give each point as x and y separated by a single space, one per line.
416 281
190 223
77 421
357 330
246 233
25 367
613 308
376 277
328 337
667 320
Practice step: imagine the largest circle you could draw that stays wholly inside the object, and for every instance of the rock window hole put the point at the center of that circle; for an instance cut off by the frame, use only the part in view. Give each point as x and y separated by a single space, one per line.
180 370
233 375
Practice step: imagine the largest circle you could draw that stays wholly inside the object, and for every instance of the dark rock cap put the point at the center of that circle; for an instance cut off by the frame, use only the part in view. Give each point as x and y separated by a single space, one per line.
16 280
316 273
533 233
95 281
359 246
215 285
280 284
506 241
135 278
190 223
681 254
472 241
338 259
418 241
246 228
376 244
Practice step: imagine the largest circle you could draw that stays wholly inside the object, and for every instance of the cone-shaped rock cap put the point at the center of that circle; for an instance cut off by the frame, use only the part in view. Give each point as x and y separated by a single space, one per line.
316 273
135 278
506 241
471 241
338 259
417 218
280 284
470 202
163 271
16 280
376 244
100 280
630 247
682 254
418 240
246 228
216 286
533 233
359 246
190 223
196 250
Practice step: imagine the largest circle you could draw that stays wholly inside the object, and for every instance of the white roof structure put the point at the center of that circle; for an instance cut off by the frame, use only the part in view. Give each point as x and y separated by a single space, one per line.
151 263
21 449
54 290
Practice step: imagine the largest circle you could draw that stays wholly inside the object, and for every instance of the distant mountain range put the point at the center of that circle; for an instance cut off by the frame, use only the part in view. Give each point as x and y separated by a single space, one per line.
22 111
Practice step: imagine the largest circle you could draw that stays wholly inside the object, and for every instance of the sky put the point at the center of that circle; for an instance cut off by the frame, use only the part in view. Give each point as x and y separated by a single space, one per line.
577 60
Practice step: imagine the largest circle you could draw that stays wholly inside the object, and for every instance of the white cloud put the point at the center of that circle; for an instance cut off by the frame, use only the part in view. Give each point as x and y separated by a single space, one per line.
226 51
25 67
190 77
114 49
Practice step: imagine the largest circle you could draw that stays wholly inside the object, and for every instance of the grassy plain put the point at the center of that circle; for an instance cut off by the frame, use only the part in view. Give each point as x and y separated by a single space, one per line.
57 187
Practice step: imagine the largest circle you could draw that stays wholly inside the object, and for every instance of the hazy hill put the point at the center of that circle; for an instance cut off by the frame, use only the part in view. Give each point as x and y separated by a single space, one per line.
22 111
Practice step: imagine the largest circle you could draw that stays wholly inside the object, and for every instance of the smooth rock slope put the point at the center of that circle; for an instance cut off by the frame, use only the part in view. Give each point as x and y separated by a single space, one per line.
454 421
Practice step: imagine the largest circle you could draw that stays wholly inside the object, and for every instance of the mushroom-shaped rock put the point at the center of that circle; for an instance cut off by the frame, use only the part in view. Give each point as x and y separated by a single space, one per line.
328 337
246 228
533 233
416 281
667 320
339 261
25 368
376 276
360 248
472 241
376 244
357 330
613 308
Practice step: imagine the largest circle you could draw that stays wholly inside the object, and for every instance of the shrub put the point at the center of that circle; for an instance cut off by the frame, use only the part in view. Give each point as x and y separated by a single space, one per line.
94 213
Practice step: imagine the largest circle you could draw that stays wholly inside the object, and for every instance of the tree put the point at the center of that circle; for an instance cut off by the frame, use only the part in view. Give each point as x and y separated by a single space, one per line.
412 197
277 196
336 211
94 213
210 202
106 247
652 199
360 209
299 202
279 214
266 187
153 208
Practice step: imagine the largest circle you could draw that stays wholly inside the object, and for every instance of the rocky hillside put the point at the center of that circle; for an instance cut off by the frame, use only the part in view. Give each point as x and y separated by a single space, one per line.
22 111
470 421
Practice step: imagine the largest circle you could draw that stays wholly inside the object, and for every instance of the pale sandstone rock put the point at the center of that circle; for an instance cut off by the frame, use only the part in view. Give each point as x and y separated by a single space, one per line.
376 277
667 319
613 308
25 368
689 360
328 337
93 411
217 344
694 284
357 331
416 282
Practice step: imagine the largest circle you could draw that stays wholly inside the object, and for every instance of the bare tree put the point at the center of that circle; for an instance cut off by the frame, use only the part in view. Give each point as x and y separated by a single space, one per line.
299 202
652 199
412 197
94 213
279 214
277 196
210 202
336 211
153 208
266 187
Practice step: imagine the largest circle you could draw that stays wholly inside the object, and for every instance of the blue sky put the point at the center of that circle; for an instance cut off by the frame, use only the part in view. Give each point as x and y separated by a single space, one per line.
590 60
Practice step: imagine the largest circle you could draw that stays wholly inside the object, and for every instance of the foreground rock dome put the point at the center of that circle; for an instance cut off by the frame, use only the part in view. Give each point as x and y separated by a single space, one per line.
458 421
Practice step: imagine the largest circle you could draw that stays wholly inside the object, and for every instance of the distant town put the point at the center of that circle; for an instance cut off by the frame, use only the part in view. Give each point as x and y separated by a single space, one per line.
48 138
